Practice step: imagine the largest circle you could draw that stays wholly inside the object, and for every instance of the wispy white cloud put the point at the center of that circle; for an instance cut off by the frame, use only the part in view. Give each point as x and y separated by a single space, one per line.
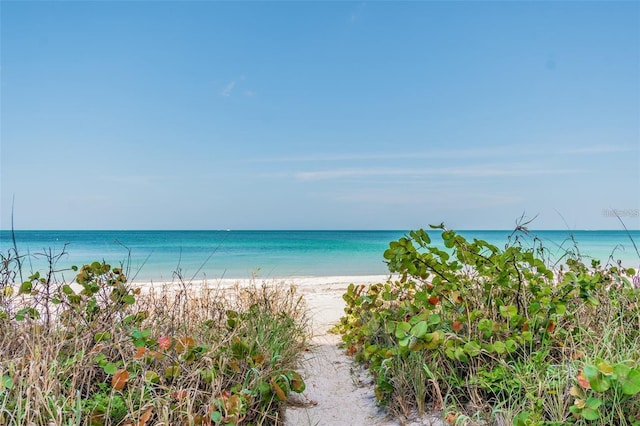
357 12
598 149
486 170
226 92
133 180
516 151
237 85
450 198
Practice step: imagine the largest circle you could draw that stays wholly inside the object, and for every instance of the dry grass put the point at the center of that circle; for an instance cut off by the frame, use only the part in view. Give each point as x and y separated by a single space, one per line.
175 354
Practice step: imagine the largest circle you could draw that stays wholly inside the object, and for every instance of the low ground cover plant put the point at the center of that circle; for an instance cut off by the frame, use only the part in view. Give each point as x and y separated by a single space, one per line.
498 336
97 351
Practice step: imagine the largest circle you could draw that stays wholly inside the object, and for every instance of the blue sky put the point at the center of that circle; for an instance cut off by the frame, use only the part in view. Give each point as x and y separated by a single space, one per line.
319 115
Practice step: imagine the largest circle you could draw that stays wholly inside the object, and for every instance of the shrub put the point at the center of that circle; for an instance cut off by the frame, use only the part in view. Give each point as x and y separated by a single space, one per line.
482 331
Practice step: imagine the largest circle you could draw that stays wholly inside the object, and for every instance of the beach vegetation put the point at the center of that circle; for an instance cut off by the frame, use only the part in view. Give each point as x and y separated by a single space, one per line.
491 335
98 350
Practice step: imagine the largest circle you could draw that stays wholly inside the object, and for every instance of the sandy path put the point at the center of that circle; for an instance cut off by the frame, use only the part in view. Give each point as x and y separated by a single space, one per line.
338 392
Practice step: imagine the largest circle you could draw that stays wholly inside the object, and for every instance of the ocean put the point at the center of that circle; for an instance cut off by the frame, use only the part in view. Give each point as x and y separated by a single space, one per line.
159 255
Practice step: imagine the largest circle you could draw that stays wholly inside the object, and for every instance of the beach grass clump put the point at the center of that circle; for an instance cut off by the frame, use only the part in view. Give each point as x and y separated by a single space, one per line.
499 336
99 351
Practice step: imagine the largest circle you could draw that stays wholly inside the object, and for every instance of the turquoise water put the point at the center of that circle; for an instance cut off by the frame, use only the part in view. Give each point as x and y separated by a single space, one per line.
156 255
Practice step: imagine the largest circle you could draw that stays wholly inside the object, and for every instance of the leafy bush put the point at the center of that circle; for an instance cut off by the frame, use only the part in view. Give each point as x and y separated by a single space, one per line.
485 332
97 351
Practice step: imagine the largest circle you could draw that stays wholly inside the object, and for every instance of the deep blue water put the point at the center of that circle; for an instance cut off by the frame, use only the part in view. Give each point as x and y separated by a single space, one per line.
156 255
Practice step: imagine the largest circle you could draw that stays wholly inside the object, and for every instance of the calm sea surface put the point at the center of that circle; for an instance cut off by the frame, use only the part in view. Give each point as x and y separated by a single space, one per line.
156 255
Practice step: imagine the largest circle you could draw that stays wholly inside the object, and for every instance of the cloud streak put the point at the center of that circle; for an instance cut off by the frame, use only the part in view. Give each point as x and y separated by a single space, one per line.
488 170
226 92
484 152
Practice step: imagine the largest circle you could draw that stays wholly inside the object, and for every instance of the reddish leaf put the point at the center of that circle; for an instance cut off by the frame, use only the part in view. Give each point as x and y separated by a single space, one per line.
145 417
156 355
434 300
457 326
450 419
119 379
583 381
96 348
164 342
140 352
180 394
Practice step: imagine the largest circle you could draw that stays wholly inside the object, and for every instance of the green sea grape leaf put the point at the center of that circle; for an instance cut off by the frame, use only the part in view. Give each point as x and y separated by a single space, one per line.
99 337
402 328
590 413
510 345
472 348
25 287
460 355
404 342
596 379
508 311
434 319
110 368
631 383
593 403
6 382
420 329
216 417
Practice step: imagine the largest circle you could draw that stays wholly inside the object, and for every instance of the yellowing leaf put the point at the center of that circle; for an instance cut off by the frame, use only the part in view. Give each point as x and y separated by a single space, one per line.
605 368
233 405
297 383
184 343
172 372
258 358
280 395
151 376
576 391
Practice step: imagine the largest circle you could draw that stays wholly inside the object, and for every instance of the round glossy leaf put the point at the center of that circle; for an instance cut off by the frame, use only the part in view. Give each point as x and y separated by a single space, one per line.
420 329
597 380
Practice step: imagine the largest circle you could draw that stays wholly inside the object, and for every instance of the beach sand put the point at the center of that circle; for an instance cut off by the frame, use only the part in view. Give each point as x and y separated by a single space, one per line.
339 392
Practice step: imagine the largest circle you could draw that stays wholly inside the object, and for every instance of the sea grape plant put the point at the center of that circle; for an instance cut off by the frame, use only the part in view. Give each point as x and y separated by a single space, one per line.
477 314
